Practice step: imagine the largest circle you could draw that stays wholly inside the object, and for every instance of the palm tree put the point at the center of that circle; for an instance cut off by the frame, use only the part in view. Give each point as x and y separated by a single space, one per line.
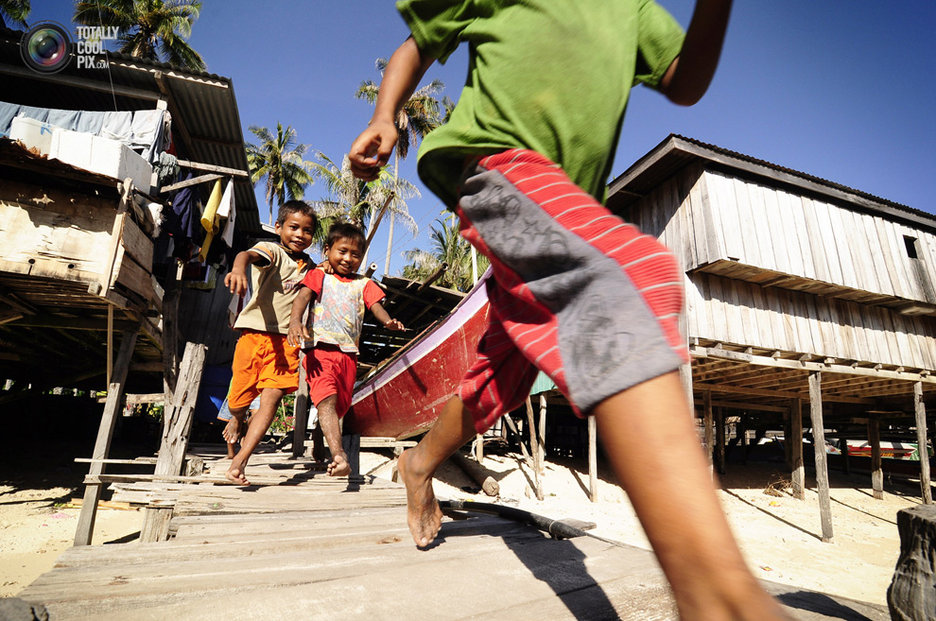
357 202
14 12
279 159
149 29
418 116
447 247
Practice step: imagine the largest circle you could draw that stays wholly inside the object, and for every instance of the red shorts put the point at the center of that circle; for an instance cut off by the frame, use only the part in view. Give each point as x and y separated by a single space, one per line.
576 293
330 371
262 360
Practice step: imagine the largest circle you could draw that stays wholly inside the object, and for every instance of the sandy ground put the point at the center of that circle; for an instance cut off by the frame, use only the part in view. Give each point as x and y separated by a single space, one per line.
778 534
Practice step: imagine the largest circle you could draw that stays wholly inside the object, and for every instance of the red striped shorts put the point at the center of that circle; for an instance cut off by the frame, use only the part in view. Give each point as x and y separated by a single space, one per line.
576 292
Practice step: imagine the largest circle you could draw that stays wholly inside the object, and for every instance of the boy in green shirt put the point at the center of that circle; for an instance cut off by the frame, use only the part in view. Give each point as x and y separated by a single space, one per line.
577 293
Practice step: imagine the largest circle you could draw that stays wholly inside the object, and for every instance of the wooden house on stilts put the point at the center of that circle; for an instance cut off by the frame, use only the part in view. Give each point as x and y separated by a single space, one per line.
808 303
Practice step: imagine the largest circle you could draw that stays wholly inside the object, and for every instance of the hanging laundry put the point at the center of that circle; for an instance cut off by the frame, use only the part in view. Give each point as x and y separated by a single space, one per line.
209 219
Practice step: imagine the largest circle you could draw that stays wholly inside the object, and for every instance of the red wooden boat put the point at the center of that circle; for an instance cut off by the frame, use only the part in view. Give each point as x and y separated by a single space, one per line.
404 396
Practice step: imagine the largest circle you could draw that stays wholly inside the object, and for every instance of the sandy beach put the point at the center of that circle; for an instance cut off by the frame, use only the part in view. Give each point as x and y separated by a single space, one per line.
779 535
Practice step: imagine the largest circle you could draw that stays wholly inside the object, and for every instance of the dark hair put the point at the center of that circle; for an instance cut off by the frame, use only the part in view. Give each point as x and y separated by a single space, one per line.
346 230
290 207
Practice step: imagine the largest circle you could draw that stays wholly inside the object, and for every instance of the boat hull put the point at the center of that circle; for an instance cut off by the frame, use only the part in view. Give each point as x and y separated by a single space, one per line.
405 396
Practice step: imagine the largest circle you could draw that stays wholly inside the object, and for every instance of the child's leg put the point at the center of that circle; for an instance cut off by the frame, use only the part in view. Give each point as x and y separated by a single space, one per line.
260 422
677 504
234 430
451 430
331 429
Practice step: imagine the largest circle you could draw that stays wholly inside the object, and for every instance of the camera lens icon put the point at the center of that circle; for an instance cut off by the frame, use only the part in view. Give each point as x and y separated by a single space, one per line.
46 48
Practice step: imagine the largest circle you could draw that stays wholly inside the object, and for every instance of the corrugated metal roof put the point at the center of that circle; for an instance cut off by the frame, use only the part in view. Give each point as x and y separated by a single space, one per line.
206 122
676 152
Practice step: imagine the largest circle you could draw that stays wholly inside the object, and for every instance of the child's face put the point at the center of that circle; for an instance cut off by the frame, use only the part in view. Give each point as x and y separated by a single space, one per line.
344 256
296 231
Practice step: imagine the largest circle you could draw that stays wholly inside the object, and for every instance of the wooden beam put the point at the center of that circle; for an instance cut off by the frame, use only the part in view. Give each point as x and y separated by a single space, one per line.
189 182
819 450
115 390
877 473
919 410
720 440
795 441
708 430
224 170
300 411
534 449
776 394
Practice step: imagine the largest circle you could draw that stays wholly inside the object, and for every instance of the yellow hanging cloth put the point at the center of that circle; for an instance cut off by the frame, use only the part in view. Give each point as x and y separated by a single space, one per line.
209 219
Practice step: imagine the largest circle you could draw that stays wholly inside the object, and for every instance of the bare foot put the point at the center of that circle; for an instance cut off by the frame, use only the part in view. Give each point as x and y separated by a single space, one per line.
230 450
423 514
235 474
339 466
233 431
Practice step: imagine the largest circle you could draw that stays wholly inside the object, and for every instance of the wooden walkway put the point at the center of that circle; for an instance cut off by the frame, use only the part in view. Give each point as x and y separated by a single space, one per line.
301 545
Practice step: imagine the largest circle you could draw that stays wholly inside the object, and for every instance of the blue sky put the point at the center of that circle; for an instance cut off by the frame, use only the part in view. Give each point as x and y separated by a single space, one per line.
840 89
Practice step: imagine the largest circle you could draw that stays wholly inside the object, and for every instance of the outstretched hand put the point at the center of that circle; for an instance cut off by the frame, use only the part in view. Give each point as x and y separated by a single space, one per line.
236 282
371 150
395 325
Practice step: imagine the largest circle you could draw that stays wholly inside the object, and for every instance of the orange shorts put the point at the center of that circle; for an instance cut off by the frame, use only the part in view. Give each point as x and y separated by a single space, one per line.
262 360
331 371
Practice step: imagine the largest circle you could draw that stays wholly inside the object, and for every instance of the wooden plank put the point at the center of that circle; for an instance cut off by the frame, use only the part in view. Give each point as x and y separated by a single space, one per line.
794 205
850 276
822 472
815 231
829 246
780 227
724 207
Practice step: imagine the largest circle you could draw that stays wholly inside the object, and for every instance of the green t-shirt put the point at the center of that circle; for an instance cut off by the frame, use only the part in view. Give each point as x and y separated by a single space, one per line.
552 76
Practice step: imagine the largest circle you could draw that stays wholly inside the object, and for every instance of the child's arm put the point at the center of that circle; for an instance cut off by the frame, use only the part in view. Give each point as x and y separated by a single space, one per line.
383 317
298 331
371 150
236 279
689 76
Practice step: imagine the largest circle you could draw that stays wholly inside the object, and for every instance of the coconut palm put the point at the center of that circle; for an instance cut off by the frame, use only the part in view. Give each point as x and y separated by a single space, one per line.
447 247
357 202
419 115
153 30
278 158
14 13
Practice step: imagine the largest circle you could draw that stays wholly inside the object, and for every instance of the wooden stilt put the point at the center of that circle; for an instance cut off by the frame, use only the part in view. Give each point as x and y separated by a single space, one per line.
822 471
534 450
115 391
709 428
877 474
919 410
177 424
846 462
592 459
795 442
479 447
742 437
720 440
300 412
541 436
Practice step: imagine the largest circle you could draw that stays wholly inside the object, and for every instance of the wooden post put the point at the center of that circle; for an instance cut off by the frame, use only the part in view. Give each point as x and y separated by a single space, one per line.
592 459
300 411
742 430
479 447
177 424
708 427
822 472
846 464
541 436
177 417
115 391
795 441
531 423
877 474
919 409
720 440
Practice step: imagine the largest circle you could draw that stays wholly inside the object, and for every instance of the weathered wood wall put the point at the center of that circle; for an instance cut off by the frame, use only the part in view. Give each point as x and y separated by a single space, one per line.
774 269
203 319
742 313
709 217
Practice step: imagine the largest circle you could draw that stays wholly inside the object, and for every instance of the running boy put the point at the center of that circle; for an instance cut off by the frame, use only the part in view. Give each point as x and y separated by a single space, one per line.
264 363
341 297
577 292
